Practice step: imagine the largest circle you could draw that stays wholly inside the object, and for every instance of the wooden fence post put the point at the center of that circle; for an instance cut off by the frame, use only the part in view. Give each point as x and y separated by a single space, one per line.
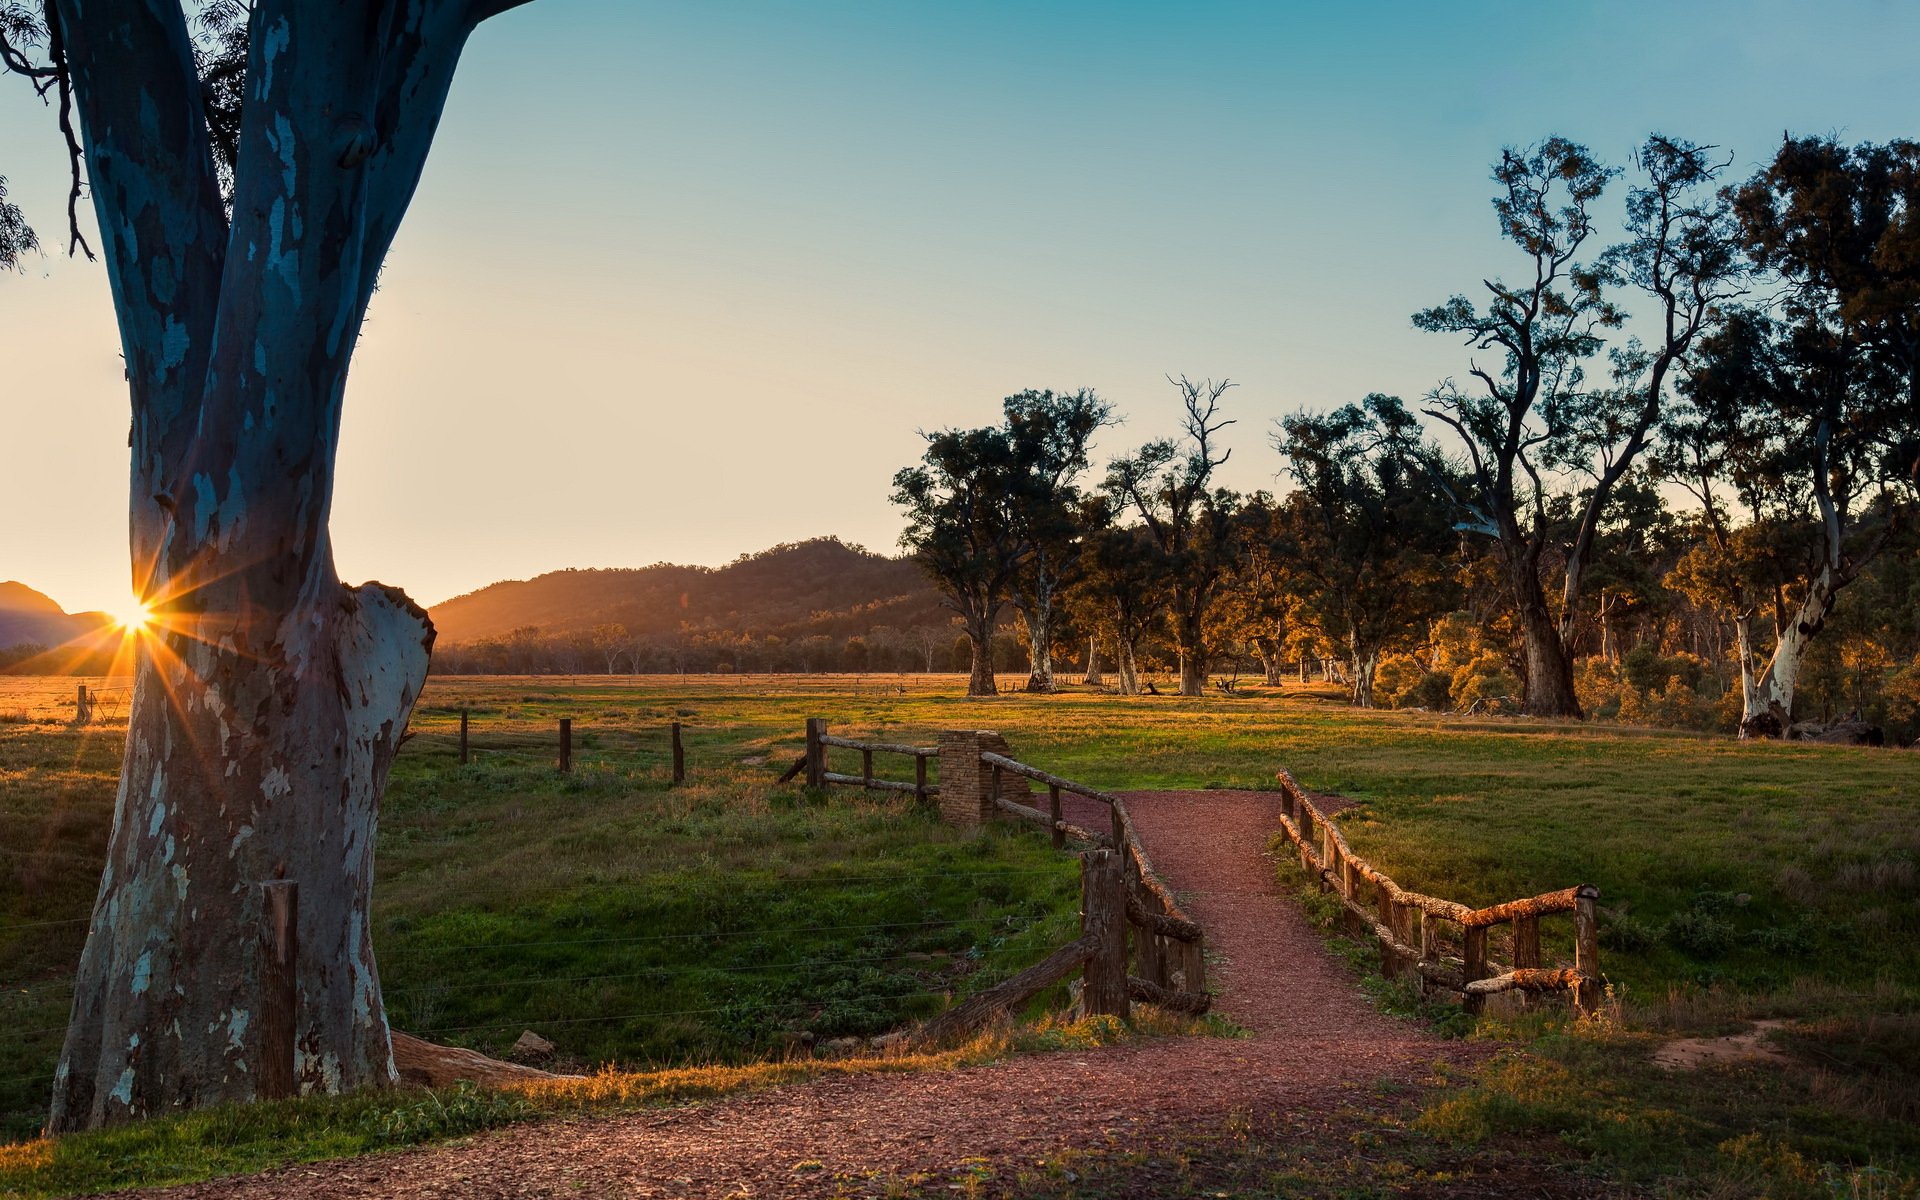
1119 828
920 777
566 745
1150 949
1193 965
1586 948
1103 918
679 756
1429 948
279 1017
866 769
82 707
1053 807
1526 943
1476 967
463 735
816 753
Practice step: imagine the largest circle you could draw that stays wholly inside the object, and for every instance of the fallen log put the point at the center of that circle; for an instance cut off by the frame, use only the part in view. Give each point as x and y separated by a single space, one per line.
977 1012
424 1064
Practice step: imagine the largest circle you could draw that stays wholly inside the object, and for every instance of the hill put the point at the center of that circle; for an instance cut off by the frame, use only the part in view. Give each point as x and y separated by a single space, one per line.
32 619
820 587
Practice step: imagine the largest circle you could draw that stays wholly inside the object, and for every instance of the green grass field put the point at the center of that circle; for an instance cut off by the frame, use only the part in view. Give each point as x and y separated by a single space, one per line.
645 925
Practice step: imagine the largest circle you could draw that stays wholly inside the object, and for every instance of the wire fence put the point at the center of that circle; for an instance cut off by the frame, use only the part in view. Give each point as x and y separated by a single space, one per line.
423 996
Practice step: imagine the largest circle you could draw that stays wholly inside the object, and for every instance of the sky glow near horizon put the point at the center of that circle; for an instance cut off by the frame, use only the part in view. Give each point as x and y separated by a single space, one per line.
683 280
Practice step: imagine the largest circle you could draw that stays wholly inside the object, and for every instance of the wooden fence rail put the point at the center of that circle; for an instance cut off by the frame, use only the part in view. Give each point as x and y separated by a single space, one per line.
1122 899
813 763
1410 926
1169 947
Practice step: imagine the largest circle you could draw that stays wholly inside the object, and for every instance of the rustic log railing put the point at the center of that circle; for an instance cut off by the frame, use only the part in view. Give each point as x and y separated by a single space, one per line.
813 763
1169 947
1411 926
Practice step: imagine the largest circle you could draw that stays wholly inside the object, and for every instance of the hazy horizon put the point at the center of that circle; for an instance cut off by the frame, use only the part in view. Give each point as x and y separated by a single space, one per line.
693 296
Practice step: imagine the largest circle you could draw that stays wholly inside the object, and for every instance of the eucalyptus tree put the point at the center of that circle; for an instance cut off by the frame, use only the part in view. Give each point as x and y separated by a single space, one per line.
1050 434
247 169
1189 522
960 529
1119 593
993 518
1371 537
1259 603
1536 425
1805 408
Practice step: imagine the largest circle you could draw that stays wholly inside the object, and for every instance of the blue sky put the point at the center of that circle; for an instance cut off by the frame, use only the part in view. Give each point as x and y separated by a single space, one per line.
683 279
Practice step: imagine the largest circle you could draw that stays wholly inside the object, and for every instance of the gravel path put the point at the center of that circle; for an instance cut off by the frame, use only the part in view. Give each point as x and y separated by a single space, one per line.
1318 1046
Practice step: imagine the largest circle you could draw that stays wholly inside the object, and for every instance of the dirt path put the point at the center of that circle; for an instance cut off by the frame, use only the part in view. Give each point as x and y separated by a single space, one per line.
1318 1046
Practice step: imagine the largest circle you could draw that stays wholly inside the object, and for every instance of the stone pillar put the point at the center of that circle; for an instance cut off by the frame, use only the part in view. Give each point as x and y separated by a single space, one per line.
966 784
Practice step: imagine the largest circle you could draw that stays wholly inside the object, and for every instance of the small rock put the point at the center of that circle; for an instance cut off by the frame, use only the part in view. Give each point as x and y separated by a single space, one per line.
796 1040
531 1047
841 1047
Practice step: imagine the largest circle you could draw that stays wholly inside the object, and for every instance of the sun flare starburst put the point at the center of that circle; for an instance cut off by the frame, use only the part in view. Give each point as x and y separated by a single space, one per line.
133 616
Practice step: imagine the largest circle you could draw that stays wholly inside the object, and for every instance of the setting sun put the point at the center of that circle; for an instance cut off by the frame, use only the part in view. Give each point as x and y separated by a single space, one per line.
133 617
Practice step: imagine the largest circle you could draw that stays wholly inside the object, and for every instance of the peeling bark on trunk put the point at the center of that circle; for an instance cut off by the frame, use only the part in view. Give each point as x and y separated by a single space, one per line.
271 699
1126 669
1366 662
1193 675
1092 678
1191 647
1767 708
1039 647
1269 651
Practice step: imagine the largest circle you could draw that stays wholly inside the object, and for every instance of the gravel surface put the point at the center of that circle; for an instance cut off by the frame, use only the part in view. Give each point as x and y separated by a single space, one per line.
1318 1047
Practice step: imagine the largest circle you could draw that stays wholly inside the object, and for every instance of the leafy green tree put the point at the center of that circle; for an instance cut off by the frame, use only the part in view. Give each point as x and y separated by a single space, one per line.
991 518
1257 607
1189 523
1804 410
1119 594
1371 536
961 530
1049 434
1536 425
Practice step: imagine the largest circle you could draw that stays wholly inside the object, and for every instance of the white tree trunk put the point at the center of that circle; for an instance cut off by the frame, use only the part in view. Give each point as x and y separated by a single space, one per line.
1767 710
1126 668
1093 677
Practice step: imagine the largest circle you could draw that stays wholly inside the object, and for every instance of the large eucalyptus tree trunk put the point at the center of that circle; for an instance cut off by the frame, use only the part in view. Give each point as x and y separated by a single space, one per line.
1548 664
271 698
980 680
1366 663
1126 667
1039 618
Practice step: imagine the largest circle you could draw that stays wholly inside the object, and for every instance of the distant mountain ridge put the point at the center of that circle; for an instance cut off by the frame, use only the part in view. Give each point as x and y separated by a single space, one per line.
821 586
38 637
33 618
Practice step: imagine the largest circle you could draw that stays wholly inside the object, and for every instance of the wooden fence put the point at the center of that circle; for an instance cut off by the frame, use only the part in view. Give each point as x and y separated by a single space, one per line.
813 763
1413 928
1136 942
1169 945
564 758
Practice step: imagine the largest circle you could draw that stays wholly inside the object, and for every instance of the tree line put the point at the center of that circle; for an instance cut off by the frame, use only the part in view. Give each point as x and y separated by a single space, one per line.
1674 479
